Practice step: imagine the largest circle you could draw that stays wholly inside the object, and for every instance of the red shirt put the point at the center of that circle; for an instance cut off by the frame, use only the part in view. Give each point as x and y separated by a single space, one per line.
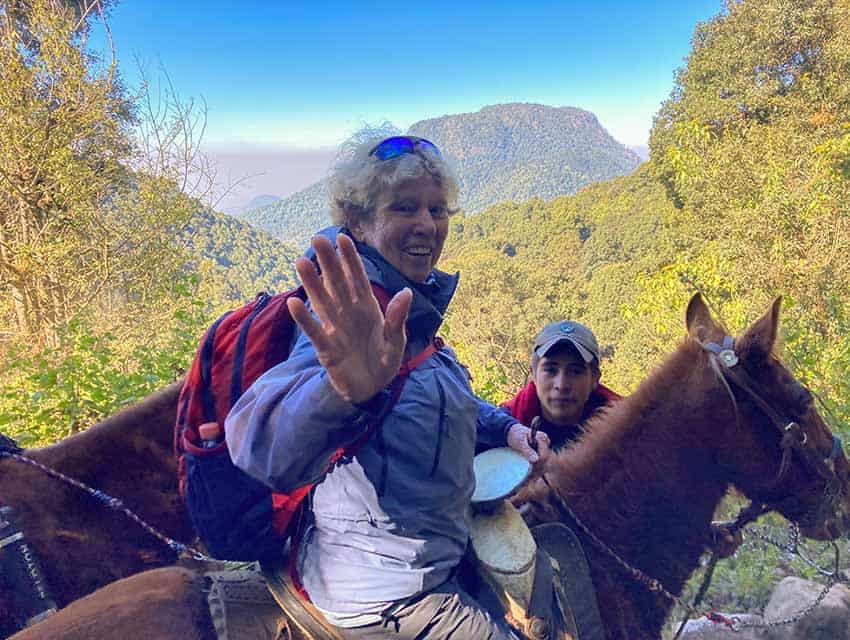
525 406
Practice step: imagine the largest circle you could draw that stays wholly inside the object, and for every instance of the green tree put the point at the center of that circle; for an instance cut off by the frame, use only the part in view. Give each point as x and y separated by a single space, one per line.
96 185
86 220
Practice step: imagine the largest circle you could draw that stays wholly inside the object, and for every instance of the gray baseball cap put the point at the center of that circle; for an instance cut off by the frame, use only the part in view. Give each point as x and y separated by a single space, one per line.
571 332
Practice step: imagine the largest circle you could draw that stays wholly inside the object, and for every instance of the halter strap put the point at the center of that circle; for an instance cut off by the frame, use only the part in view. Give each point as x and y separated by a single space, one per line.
792 434
726 353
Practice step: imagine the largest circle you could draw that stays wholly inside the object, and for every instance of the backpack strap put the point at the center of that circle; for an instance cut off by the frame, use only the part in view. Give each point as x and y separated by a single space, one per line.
207 396
241 344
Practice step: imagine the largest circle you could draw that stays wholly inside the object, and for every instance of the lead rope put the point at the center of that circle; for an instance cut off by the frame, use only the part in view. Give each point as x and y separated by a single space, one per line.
113 503
734 623
745 516
639 576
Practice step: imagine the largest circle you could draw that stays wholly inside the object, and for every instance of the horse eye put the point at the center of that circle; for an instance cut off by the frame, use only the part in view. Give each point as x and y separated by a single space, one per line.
803 399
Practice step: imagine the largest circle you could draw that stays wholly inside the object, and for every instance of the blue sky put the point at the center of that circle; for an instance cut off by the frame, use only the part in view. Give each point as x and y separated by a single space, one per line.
283 73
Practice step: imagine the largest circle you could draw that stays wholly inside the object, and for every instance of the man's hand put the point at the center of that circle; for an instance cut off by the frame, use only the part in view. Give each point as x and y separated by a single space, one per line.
519 439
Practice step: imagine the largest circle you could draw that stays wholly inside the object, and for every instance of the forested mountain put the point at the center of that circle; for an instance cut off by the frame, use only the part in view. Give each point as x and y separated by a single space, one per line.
502 152
256 202
295 219
237 261
521 151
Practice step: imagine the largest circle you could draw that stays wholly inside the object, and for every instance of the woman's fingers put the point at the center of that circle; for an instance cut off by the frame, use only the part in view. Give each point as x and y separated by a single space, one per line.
334 277
321 301
309 325
354 269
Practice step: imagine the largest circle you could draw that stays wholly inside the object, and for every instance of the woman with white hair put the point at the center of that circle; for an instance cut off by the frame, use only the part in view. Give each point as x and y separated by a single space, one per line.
388 522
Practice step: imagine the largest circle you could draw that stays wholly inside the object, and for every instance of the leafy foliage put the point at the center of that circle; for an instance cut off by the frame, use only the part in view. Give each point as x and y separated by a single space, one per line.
50 393
235 260
109 270
525 265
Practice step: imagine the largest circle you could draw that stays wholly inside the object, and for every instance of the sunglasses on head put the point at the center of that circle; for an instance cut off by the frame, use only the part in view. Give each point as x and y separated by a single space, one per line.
399 145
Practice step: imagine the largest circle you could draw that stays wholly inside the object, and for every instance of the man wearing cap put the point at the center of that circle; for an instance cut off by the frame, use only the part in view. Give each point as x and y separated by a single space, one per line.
564 390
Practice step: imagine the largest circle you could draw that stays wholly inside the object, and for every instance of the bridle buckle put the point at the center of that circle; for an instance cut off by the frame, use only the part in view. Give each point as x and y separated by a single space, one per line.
794 427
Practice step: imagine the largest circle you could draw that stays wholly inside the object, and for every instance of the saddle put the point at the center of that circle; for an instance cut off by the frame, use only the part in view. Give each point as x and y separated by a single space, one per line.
257 604
538 579
555 602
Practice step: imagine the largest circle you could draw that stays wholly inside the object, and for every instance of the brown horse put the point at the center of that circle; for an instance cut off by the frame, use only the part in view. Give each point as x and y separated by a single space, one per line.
645 478
648 475
80 543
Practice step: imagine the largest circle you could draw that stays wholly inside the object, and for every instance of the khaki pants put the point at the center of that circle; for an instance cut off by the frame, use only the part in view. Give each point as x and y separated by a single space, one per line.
445 613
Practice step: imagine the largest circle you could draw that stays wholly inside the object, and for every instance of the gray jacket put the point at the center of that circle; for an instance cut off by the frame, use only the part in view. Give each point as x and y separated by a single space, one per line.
390 521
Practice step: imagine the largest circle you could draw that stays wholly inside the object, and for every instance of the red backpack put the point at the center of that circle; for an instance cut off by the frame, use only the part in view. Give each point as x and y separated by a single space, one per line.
235 516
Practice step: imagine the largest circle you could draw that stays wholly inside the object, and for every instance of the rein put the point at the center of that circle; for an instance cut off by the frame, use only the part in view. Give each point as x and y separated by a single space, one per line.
651 584
113 503
26 558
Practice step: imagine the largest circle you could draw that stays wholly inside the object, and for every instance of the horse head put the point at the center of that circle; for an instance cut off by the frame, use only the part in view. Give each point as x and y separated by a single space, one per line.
777 450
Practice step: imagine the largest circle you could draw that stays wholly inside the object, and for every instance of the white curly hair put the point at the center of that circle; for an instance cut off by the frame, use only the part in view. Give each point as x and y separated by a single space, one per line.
358 177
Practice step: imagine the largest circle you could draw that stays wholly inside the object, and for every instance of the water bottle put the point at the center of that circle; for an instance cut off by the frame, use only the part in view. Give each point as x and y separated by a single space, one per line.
19 571
211 435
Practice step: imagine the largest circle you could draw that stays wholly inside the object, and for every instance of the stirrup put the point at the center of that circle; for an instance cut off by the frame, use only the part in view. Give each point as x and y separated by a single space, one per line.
574 591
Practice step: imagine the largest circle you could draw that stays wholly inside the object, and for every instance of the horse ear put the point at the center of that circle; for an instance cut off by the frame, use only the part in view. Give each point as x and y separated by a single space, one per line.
761 336
698 319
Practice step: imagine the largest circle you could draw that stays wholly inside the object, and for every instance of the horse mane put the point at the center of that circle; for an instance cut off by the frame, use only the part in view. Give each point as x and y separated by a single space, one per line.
606 434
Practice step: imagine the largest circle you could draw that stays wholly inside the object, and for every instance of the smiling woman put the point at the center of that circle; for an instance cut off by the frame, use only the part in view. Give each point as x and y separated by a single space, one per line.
388 528
409 226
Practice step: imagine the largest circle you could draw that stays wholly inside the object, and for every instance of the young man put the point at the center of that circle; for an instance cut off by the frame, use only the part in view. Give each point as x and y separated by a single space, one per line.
564 390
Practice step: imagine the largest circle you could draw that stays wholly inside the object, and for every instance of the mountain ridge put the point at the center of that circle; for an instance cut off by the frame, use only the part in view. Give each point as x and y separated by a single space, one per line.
504 152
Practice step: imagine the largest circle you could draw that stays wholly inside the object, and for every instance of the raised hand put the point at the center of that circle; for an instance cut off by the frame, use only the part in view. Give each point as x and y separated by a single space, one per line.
359 347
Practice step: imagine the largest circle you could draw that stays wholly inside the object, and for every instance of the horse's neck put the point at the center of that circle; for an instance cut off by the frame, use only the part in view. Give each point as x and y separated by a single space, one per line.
144 430
644 477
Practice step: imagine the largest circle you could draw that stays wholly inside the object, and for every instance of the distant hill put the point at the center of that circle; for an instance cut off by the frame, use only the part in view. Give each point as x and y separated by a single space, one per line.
236 260
503 152
256 202
522 151
295 219
641 150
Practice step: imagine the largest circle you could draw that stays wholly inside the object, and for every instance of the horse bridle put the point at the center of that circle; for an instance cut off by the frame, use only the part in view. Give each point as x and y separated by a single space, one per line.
793 436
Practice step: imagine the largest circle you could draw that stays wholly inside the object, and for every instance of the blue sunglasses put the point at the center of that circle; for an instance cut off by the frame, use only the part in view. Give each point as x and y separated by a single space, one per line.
399 145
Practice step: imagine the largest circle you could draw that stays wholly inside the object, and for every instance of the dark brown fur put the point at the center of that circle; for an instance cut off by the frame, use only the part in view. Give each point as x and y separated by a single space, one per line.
82 544
154 605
